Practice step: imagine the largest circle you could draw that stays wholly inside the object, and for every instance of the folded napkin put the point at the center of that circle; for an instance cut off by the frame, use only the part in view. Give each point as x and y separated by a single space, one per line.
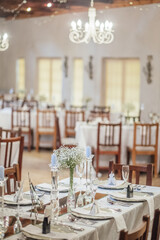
137 196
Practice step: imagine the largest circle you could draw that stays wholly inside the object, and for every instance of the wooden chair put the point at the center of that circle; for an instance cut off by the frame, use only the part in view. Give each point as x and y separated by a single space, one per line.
67 142
8 133
97 114
46 125
1 101
71 117
32 104
108 142
12 174
101 108
145 142
21 118
139 233
113 167
156 225
11 152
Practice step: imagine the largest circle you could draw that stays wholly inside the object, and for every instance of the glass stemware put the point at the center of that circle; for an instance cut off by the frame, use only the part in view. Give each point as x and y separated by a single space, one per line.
125 172
94 208
80 171
18 197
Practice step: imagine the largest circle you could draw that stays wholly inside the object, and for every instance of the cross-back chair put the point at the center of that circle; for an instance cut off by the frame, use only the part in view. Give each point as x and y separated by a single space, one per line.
145 142
32 104
98 114
71 117
46 125
156 225
114 167
8 133
108 142
11 152
21 118
12 174
139 233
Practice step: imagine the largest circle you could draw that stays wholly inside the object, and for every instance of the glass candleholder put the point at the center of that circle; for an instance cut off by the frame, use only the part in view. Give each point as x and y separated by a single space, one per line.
54 194
88 193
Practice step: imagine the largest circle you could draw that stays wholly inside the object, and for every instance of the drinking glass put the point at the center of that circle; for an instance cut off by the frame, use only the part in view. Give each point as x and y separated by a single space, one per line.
80 171
18 197
125 172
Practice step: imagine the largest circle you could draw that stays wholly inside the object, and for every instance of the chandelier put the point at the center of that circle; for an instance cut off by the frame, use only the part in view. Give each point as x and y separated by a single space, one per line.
4 42
93 29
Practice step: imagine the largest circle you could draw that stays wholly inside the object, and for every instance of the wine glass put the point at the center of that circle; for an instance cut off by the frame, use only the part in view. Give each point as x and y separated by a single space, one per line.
80 171
125 172
94 208
18 197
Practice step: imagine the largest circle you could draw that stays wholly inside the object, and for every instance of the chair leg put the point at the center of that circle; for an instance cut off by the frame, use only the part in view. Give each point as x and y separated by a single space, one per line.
155 165
54 142
29 142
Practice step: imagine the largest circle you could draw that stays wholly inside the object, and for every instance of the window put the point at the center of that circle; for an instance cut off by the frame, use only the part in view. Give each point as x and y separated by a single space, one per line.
78 82
20 76
50 80
122 84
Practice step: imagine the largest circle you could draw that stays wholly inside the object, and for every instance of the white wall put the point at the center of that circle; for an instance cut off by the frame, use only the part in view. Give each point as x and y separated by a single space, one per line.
136 35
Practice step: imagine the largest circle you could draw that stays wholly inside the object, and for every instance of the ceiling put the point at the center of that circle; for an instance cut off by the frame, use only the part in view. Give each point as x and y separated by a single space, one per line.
17 9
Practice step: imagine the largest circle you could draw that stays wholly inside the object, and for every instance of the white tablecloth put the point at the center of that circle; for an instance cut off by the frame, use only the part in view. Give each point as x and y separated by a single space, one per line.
104 229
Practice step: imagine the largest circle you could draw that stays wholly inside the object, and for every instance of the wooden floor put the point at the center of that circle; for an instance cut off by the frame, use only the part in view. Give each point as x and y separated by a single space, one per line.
37 164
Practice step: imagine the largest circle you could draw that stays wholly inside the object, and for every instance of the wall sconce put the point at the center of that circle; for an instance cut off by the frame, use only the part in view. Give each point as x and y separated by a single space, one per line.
148 69
66 66
91 67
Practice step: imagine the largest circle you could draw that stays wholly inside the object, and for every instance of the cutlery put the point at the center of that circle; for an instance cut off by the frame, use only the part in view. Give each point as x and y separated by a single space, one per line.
75 228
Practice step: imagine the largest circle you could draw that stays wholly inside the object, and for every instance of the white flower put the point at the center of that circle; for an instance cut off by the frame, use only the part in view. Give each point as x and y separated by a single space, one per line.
69 157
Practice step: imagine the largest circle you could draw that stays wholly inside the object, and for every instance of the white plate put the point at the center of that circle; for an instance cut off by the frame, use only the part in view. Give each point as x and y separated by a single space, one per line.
9 200
137 196
47 187
118 186
105 213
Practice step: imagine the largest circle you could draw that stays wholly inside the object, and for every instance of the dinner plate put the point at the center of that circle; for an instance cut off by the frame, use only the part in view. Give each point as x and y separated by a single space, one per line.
137 196
47 187
105 213
119 186
9 200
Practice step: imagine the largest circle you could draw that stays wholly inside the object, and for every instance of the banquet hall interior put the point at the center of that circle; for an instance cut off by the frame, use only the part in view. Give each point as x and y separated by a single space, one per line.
81 77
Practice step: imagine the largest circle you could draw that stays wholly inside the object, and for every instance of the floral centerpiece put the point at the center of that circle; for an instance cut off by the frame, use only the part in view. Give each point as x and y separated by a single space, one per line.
69 158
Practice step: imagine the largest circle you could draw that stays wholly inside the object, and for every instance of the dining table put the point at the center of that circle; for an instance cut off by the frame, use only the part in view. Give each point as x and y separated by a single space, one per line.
116 212
86 135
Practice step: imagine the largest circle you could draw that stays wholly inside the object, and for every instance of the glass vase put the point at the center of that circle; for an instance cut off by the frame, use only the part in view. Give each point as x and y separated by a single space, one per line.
71 194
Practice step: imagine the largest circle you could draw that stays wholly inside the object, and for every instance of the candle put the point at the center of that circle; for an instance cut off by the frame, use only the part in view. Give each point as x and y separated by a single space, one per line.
53 160
88 151
1 173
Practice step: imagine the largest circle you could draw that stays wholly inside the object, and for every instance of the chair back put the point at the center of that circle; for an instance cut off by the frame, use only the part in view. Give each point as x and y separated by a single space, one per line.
32 104
8 133
114 167
11 152
71 117
21 118
145 135
58 137
109 134
46 120
156 225
12 174
98 114
140 233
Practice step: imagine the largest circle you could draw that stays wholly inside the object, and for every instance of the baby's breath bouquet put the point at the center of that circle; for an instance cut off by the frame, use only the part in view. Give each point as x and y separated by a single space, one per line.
69 158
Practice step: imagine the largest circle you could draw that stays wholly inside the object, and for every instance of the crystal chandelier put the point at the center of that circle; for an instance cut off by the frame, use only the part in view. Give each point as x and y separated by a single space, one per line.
99 32
4 42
